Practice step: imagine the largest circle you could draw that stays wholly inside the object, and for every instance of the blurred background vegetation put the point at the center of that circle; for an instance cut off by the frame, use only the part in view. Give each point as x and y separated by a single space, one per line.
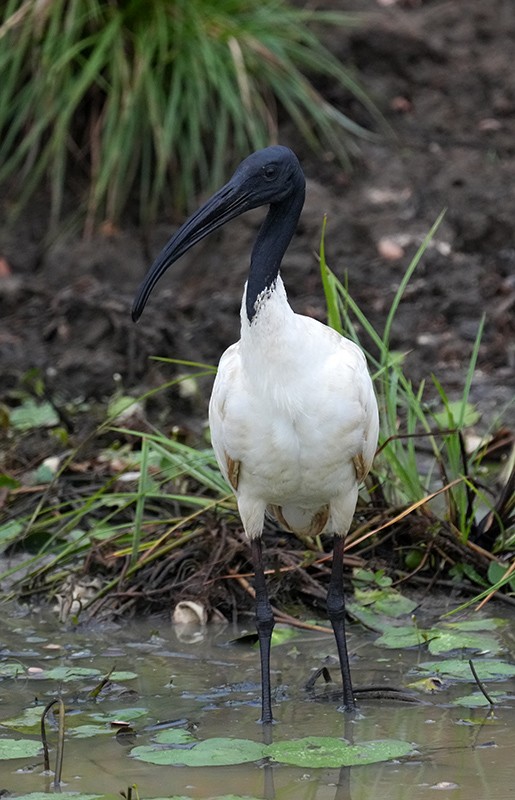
155 101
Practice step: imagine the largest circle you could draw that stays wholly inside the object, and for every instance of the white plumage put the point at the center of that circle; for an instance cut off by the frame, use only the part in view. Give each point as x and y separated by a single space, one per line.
293 420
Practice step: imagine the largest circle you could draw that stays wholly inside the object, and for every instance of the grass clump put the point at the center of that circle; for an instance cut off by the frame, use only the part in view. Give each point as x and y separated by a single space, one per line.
425 470
152 99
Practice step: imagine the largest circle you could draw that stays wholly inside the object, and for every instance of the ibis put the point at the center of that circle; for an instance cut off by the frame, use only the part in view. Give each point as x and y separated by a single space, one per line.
293 414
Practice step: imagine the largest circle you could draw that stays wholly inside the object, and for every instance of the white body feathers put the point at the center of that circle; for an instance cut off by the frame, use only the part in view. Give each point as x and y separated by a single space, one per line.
294 420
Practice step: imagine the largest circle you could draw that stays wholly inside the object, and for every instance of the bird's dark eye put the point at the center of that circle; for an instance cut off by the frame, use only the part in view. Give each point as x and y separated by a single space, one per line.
269 172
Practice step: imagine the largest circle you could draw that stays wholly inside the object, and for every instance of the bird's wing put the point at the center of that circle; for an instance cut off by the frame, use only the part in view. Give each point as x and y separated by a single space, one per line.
347 374
227 380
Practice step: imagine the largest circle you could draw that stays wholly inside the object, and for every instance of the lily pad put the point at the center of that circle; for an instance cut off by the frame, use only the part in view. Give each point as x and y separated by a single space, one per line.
447 640
405 636
29 720
209 753
175 736
124 714
86 731
386 601
325 751
18 748
476 624
122 675
368 617
11 670
477 699
64 796
488 669
69 673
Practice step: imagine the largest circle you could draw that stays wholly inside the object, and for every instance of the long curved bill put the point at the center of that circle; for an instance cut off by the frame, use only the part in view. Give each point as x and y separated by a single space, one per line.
229 202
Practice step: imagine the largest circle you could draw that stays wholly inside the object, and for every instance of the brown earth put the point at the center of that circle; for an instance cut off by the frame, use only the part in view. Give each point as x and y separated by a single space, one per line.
442 74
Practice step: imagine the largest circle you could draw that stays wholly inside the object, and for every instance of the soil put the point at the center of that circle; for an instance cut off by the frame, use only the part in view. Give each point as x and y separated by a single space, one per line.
442 75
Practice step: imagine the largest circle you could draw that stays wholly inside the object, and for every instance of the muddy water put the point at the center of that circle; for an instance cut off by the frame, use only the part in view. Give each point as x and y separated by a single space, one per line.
213 686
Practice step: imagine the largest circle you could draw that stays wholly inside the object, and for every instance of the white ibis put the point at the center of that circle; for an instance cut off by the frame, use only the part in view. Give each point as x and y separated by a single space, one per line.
293 415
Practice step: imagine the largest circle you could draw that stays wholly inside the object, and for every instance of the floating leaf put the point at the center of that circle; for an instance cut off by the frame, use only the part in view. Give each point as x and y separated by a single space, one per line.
209 753
325 751
368 617
70 673
174 736
86 731
124 714
29 720
488 669
476 624
405 636
11 670
477 699
282 634
65 796
122 675
386 601
463 640
18 748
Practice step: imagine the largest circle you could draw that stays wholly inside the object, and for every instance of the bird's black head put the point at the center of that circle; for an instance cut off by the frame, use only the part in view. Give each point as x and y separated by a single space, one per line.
268 177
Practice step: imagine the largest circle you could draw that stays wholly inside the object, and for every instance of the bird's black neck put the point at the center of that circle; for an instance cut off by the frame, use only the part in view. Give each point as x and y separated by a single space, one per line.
273 238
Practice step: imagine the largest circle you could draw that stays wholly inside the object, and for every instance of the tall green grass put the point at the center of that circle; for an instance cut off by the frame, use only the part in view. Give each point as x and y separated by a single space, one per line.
152 99
408 418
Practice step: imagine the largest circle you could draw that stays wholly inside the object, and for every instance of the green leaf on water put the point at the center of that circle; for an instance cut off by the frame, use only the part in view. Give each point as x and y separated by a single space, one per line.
405 636
463 640
86 731
282 634
64 796
18 748
122 675
368 617
386 601
69 673
477 699
174 736
476 624
488 669
209 753
124 714
29 720
326 751
11 670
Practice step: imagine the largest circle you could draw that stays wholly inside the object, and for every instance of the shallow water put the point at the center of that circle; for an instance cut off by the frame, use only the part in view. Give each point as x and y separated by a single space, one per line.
213 687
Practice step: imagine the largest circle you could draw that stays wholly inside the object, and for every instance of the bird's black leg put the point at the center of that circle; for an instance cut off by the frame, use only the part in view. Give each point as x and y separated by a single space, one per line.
264 625
336 613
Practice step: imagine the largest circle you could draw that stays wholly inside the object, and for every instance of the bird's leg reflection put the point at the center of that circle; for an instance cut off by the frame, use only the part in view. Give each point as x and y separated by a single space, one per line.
343 789
336 613
268 770
264 626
